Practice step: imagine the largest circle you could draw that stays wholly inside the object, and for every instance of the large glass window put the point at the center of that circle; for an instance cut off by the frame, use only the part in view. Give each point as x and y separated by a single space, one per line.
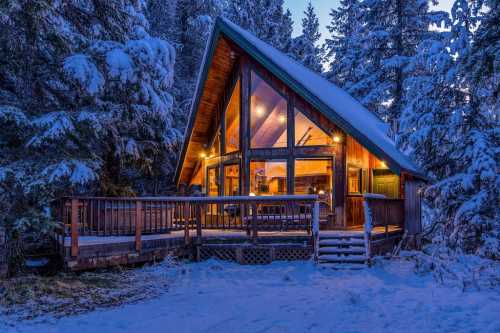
268 121
268 177
308 134
231 180
232 121
213 182
314 176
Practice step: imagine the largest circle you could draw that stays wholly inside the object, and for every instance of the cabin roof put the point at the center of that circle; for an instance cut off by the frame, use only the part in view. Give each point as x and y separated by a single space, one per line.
336 104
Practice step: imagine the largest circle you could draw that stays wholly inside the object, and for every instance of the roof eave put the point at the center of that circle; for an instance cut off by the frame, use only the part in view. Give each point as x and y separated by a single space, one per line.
202 77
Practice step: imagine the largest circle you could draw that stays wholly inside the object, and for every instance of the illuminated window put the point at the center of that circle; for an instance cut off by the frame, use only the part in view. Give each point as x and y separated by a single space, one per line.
268 177
232 121
213 182
231 180
214 150
268 120
308 134
314 176
354 180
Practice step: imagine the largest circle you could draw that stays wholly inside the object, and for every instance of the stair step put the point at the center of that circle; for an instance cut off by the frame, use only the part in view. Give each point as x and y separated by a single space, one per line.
342 259
343 265
342 237
337 250
336 242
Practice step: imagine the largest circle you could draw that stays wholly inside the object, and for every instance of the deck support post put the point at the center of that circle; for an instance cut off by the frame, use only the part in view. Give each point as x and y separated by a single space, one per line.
315 229
138 225
254 223
74 227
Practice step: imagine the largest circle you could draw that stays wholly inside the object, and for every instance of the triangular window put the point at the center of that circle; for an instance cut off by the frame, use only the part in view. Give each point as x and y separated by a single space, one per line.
232 121
309 134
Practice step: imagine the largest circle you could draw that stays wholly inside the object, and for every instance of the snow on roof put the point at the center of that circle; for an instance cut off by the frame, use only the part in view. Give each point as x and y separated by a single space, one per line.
343 109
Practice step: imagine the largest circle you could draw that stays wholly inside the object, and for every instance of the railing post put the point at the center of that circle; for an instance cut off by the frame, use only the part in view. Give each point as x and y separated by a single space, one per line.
200 214
74 227
315 229
368 229
386 215
185 215
138 225
254 223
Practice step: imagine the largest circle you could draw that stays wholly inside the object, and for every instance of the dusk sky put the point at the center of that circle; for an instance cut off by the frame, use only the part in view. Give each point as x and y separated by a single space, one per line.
323 7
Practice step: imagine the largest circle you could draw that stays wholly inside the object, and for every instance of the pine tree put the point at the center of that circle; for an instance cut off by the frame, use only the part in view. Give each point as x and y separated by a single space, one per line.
343 51
84 104
451 131
264 18
193 20
384 36
304 47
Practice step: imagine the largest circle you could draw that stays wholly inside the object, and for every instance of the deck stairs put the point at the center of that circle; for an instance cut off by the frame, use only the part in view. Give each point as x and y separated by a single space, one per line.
342 250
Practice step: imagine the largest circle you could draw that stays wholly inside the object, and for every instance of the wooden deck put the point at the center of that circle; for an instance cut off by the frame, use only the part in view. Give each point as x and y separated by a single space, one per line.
103 232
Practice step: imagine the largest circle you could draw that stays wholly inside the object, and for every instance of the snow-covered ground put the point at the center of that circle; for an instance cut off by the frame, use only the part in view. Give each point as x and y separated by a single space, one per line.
291 297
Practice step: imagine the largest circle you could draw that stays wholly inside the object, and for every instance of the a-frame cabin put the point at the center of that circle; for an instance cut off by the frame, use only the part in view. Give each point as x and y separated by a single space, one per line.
261 124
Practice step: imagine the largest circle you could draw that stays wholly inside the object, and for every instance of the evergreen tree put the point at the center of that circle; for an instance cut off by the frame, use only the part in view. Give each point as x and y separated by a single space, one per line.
384 35
264 18
84 105
191 25
451 130
304 47
343 51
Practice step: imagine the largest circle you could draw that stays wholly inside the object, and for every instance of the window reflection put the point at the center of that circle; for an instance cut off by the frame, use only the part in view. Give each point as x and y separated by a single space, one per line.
268 122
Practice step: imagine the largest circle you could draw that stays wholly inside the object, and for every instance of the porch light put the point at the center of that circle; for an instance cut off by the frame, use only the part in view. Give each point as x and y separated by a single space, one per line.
321 192
282 119
251 194
203 155
336 138
384 165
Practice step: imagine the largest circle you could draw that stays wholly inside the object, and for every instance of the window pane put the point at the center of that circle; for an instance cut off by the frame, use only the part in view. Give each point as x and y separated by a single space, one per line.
353 180
267 116
214 150
268 177
213 182
231 180
314 176
232 121
307 133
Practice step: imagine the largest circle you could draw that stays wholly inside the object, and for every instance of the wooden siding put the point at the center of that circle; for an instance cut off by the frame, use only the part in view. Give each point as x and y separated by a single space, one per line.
413 207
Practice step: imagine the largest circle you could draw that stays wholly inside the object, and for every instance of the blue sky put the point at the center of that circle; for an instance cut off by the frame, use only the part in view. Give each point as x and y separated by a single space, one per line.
323 7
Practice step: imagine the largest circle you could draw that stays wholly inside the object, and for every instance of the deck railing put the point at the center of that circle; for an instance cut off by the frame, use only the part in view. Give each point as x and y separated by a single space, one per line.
104 216
382 212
